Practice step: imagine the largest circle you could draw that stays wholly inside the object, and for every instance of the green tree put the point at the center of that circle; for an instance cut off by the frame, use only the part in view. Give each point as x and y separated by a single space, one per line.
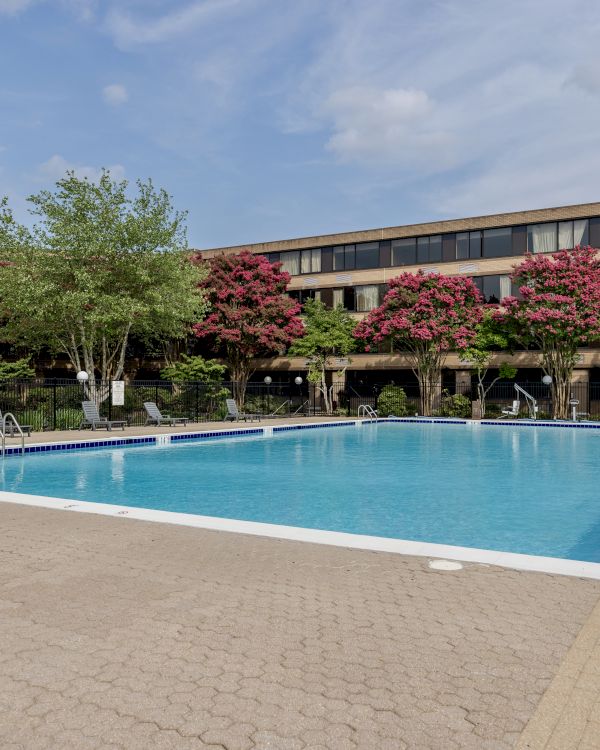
98 265
195 370
327 334
490 337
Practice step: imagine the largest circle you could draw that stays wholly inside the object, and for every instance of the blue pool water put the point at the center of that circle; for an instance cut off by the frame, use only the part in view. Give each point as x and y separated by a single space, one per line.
534 491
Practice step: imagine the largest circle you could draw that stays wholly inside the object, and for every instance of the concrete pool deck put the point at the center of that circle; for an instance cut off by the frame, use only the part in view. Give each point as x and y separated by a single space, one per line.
124 635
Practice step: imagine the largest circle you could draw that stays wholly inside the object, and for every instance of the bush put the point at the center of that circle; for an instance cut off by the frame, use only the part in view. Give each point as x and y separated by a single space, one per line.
492 411
392 402
455 405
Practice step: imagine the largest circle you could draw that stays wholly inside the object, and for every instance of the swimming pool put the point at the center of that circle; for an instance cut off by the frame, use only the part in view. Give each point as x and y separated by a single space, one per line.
530 491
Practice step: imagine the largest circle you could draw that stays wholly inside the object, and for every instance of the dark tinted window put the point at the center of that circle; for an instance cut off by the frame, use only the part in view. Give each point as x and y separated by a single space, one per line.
462 246
423 250
474 244
338 258
367 255
404 252
435 248
497 242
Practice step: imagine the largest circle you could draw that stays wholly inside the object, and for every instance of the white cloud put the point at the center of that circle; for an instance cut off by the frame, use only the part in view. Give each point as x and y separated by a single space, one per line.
14 7
57 166
115 94
384 126
128 30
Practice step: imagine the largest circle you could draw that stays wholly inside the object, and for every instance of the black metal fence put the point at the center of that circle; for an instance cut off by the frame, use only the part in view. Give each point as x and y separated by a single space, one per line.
56 404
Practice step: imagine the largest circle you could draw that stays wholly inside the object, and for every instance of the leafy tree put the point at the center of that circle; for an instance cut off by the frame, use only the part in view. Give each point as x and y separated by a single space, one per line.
327 334
97 266
426 316
194 370
559 312
490 337
250 313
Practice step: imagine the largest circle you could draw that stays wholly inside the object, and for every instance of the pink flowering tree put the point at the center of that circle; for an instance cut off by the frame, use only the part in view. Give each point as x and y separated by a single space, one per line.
250 315
426 316
559 312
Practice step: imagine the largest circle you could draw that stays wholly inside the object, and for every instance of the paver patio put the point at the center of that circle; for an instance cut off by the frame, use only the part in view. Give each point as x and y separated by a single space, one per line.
123 634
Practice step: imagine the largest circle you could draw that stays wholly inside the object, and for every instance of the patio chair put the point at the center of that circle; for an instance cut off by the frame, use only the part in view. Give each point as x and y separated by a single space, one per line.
11 430
92 418
235 415
155 417
513 411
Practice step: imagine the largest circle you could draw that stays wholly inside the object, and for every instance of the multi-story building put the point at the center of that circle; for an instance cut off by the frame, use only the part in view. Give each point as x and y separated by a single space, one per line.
353 268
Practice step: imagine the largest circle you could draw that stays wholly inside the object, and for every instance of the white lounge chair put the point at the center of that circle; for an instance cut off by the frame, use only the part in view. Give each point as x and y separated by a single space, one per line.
92 418
235 415
155 417
513 411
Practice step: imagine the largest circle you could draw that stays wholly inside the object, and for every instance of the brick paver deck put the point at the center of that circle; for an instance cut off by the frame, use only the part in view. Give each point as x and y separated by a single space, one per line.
121 634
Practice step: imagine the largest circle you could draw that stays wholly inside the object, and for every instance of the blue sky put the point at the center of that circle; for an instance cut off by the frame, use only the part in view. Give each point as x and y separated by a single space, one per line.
269 119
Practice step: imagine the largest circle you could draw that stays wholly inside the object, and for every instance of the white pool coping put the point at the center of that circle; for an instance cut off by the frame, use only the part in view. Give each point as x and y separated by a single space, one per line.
535 563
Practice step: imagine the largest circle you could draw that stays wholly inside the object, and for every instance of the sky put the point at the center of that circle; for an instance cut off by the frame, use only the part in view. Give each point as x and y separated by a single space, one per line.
272 119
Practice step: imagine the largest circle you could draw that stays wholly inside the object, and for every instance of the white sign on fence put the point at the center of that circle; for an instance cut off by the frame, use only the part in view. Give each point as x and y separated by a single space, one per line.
118 393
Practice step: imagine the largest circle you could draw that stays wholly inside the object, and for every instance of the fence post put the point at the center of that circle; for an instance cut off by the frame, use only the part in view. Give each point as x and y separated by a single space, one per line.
196 387
54 404
109 400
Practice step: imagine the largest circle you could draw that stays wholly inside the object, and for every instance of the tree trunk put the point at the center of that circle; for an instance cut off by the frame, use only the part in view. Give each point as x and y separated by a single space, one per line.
240 371
559 364
427 366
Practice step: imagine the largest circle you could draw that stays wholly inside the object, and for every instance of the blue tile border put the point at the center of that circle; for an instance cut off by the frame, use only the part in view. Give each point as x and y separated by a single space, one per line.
253 431
563 425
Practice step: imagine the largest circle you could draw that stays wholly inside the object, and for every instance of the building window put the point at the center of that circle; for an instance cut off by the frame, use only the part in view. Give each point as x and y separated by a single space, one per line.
572 233
497 242
310 261
290 262
367 255
338 297
541 238
468 245
367 297
435 248
404 252
344 258
494 288
301 295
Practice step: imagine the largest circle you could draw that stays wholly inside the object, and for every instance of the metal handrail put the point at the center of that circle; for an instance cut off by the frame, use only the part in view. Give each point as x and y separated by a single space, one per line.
530 400
3 432
301 407
366 410
273 413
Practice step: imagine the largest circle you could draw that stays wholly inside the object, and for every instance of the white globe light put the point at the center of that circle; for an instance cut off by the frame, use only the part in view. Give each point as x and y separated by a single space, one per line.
268 380
82 376
547 380
298 380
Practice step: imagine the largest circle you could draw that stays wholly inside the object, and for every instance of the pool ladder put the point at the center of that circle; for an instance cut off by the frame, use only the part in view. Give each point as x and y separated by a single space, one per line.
6 419
367 411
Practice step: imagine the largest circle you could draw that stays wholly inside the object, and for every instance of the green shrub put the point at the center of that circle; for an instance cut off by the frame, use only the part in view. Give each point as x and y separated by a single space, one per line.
392 402
492 411
455 405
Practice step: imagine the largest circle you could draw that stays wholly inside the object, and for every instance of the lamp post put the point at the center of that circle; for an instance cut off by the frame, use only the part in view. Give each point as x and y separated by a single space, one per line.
298 381
267 381
547 381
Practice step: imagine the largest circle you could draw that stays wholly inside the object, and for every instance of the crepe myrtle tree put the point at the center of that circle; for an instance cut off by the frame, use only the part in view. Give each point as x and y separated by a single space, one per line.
328 334
250 314
559 311
426 316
